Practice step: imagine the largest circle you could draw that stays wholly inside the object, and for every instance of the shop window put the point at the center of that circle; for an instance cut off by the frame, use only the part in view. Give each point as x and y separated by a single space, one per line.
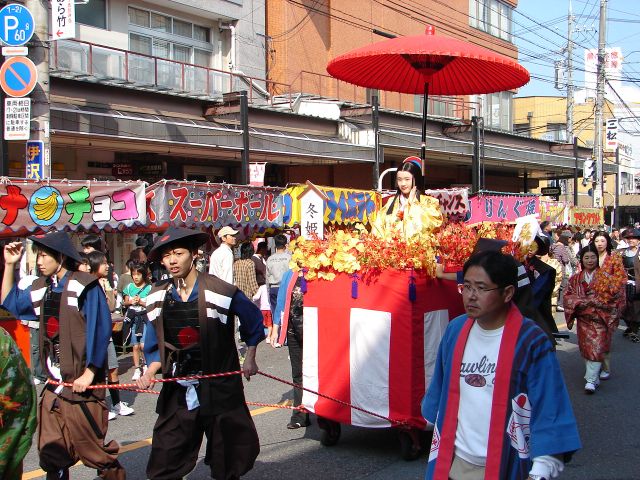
93 14
491 16
497 109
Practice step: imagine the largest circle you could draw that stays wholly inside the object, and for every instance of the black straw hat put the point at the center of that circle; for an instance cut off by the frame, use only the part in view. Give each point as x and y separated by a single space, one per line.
58 242
179 236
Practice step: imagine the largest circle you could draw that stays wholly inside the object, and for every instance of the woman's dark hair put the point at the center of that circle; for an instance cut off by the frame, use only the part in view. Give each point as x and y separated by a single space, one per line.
589 248
141 268
246 251
564 240
96 258
601 233
577 237
418 181
502 269
544 225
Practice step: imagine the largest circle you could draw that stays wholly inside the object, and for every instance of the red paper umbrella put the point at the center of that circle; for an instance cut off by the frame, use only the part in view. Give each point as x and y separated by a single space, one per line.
428 64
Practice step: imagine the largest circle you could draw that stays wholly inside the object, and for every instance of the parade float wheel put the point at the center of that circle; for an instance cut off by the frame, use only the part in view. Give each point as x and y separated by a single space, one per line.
410 444
330 433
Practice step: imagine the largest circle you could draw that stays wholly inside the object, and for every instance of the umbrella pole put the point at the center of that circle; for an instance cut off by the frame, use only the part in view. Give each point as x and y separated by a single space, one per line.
423 146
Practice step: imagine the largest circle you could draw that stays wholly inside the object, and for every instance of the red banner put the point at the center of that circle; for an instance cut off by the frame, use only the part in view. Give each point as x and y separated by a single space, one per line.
376 351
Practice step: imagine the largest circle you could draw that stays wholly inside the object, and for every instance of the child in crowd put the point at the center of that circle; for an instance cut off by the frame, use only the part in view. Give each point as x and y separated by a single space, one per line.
99 266
134 300
261 299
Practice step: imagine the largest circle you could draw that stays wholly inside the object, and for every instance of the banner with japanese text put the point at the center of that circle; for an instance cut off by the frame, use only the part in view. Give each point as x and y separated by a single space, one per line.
27 205
344 206
586 216
454 202
554 212
195 204
502 208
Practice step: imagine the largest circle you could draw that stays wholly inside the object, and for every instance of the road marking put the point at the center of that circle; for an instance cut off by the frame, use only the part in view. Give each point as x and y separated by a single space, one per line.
145 443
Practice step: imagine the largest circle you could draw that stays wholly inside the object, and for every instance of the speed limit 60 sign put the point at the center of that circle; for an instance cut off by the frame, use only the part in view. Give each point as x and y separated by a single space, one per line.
16 25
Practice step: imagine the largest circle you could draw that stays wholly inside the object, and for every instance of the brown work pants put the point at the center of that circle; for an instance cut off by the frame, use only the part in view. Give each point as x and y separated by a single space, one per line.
232 441
66 435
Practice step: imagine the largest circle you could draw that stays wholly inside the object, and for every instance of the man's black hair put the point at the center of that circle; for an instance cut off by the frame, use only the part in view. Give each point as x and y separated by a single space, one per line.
93 241
502 269
262 245
68 263
280 240
246 250
544 224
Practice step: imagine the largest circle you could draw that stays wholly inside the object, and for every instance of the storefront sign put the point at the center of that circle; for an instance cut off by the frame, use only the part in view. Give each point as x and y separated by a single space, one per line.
70 205
63 19
312 202
586 217
256 174
35 160
343 206
498 208
122 170
213 205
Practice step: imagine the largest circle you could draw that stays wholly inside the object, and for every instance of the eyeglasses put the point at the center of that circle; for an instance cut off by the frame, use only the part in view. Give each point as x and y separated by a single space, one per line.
471 290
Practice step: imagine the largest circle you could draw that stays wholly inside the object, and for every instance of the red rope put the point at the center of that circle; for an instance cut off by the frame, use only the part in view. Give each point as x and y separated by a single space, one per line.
133 387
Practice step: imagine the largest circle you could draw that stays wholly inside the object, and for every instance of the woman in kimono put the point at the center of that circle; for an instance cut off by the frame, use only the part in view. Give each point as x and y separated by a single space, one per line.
593 317
409 212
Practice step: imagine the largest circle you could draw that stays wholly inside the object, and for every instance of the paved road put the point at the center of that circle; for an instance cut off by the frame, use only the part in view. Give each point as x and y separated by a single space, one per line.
609 426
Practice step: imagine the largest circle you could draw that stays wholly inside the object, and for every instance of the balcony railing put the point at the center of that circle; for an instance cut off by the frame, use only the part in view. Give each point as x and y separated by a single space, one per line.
99 63
92 62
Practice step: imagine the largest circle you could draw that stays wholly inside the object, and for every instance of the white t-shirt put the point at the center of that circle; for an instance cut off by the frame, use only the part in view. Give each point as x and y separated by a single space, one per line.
221 263
477 378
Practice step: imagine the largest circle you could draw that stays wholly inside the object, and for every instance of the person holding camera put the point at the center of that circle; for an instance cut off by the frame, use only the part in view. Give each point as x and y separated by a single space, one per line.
631 262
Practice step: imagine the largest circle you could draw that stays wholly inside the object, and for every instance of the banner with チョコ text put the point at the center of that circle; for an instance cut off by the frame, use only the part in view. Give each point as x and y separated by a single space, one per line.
502 207
27 205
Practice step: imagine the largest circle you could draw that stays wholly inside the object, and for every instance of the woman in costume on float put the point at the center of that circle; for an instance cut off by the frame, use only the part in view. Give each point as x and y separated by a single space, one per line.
409 212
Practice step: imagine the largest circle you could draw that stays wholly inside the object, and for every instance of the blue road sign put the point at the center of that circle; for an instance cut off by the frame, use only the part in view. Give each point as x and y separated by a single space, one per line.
16 25
35 159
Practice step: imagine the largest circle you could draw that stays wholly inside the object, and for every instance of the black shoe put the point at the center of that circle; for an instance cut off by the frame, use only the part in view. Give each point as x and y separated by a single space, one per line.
295 425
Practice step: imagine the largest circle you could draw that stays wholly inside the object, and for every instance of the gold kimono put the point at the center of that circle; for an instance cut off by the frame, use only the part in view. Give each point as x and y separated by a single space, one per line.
418 217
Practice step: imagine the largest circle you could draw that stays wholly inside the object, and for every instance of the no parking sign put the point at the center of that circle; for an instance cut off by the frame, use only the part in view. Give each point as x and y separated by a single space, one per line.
18 76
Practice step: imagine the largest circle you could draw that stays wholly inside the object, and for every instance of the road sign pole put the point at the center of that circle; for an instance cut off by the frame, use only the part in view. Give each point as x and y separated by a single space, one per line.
4 145
39 53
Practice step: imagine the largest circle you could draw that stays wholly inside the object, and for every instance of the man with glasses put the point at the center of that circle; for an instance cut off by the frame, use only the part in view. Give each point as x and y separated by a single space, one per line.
504 416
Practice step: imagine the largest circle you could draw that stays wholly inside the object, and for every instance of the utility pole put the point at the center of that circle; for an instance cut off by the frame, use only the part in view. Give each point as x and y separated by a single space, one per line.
570 98
39 54
598 192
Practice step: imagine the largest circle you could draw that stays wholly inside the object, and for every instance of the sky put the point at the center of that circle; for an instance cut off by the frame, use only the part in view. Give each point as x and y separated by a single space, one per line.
540 32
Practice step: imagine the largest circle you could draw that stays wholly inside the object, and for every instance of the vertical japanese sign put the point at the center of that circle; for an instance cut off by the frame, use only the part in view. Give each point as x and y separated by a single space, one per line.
35 159
63 19
256 174
312 214
611 142
17 118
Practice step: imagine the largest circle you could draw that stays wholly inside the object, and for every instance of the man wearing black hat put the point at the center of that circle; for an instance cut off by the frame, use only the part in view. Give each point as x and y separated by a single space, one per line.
193 333
631 262
76 325
542 278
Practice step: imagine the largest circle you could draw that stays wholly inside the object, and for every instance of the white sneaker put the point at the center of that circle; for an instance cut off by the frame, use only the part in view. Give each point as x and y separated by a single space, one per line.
36 381
137 374
590 387
604 375
123 409
112 415
144 369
